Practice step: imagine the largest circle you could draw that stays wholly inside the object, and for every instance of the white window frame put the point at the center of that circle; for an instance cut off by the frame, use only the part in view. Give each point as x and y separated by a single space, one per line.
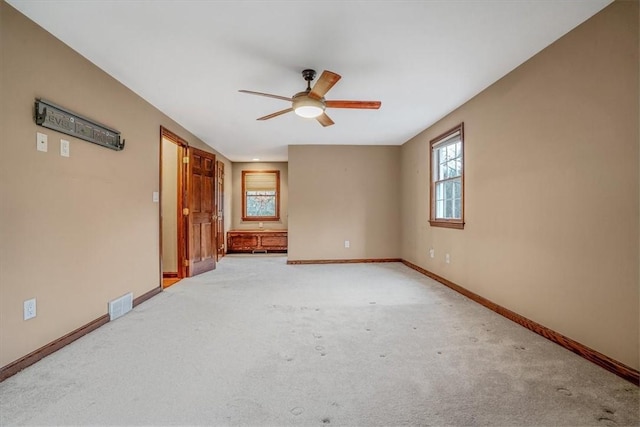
447 185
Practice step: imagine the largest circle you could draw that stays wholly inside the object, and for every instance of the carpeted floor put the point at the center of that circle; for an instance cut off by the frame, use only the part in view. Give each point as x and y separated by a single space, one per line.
261 343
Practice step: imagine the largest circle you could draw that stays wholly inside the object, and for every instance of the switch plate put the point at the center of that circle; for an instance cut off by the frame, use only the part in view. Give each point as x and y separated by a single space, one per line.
64 148
41 142
447 259
155 197
347 244
29 309
432 253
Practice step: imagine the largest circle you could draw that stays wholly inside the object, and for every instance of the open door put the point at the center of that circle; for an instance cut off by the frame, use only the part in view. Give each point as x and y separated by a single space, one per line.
173 242
220 208
201 213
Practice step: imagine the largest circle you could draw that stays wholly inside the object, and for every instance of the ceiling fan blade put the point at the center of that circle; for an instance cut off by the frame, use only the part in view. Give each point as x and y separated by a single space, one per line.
371 105
325 82
250 92
276 114
324 120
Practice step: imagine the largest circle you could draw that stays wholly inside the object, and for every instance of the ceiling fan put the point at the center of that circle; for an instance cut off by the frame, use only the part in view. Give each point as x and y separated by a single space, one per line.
310 103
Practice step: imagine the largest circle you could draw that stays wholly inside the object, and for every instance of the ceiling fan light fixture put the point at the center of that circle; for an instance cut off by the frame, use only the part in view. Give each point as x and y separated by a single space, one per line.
308 111
307 107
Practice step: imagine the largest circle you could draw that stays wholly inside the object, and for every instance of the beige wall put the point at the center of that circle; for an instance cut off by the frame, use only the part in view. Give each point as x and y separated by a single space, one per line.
237 223
169 206
551 175
74 232
340 193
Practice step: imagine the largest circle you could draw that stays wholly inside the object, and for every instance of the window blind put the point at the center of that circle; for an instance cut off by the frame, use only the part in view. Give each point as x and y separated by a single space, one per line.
260 181
452 139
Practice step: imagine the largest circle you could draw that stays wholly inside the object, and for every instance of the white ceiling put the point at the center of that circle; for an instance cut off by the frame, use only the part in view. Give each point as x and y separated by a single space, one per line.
422 59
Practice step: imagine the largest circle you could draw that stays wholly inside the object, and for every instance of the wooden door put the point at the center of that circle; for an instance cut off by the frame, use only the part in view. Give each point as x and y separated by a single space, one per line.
201 211
220 208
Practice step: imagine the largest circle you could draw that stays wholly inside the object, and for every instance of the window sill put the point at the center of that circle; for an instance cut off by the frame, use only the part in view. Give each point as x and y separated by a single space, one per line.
261 218
447 224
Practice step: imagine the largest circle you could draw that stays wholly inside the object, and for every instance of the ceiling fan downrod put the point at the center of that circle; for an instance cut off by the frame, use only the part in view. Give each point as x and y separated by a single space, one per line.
308 75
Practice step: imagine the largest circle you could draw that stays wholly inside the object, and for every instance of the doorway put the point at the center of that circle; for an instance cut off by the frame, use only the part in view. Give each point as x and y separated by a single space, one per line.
172 196
188 209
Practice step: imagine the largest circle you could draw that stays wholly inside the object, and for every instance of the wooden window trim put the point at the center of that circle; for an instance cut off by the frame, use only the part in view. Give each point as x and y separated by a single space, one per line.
244 197
441 222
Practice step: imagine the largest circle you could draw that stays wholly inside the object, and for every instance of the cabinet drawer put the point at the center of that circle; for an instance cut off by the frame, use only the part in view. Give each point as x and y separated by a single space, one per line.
274 241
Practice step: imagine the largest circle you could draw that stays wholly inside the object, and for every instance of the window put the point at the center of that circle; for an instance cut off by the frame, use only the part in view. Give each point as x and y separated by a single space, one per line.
260 195
447 179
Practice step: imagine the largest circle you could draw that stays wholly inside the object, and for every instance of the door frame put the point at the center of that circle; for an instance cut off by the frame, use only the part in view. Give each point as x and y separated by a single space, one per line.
219 200
181 202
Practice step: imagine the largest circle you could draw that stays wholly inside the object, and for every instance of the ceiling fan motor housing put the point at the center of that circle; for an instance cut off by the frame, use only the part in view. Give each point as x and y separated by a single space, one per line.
308 107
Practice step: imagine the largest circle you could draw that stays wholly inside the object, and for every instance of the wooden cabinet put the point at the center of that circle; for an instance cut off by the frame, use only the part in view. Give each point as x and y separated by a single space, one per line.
256 241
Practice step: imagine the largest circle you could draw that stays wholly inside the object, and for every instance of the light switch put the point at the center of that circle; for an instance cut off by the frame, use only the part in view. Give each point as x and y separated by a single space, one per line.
155 197
41 142
64 148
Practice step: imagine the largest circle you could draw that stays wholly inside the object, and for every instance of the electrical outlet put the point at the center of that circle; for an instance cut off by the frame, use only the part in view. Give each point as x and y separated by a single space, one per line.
447 259
432 253
29 309
347 244
41 142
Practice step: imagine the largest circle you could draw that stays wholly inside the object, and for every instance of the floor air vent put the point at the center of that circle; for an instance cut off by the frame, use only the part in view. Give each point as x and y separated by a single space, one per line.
120 306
